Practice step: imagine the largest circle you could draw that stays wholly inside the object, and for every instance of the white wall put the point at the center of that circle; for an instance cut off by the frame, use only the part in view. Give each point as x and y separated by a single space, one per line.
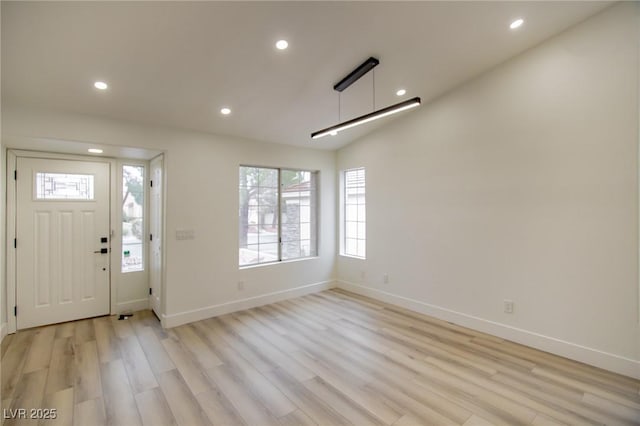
522 184
202 195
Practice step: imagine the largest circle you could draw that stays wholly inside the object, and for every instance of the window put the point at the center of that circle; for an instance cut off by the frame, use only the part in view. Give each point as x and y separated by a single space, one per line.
354 227
277 215
64 186
132 218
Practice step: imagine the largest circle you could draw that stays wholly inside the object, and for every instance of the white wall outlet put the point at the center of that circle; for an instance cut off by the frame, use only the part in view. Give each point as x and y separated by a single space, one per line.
385 278
240 285
508 306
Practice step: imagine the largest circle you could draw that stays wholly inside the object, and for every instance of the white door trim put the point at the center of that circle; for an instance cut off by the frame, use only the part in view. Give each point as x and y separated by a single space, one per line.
159 307
12 157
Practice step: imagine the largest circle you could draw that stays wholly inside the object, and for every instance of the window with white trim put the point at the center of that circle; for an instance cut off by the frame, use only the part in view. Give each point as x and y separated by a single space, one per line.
277 215
354 228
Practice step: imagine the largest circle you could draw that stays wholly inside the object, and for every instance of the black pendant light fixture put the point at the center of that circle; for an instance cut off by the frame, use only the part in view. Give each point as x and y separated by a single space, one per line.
347 81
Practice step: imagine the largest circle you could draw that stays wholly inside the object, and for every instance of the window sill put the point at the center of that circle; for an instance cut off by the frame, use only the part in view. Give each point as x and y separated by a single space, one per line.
350 256
280 262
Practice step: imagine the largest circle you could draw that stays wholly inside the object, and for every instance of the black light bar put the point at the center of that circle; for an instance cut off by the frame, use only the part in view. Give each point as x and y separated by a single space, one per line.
333 130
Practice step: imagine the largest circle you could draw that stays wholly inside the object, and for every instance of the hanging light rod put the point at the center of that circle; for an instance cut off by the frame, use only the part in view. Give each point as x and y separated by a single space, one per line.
355 75
333 130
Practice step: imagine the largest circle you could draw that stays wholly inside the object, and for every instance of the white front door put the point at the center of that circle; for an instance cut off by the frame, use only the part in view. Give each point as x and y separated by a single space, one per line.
62 230
155 222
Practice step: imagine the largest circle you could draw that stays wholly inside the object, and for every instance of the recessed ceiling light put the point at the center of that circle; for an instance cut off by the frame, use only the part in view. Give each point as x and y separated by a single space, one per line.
100 85
516 24
401 92
95 150
225 111
282 44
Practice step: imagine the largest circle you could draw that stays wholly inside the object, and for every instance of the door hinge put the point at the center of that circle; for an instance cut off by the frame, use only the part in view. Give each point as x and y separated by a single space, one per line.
151 183
15 243
15 311
150 237
15 175
150 291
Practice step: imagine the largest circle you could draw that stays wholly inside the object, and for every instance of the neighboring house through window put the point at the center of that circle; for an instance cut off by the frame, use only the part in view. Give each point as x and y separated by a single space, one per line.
132 218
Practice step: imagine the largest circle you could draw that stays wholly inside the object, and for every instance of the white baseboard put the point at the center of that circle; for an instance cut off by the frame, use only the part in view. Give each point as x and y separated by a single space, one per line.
4 329
174 320
132 306
595 357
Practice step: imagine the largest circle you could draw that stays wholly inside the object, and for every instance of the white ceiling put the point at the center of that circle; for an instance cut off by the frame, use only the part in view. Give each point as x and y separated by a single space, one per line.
177 63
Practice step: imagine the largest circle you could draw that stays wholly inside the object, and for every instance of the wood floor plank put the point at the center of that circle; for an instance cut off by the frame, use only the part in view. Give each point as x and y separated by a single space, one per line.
137 365
6 342
199 350
513 395
184 406
297 418
62 402
304 399
247 405
409 420
252 332
218 408
62 369
254 321
568 409
39 355
87 366
366 400
84 331
599 377
28 395
587 387
13 362
479 421
119 403
242 370
122 328
225 335
187 366
159 359
66 329
154 409
108 349
541 420
91 412
341 403
393 383
612 408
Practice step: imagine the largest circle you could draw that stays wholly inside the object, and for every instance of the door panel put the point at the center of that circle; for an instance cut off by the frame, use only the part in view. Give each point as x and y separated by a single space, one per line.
62 213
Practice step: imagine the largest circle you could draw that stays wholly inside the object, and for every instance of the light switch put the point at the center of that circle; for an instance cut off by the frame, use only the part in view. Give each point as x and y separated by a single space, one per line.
185 234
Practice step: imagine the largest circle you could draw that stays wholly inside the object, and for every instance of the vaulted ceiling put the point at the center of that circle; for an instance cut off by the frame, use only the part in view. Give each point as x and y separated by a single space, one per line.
178 63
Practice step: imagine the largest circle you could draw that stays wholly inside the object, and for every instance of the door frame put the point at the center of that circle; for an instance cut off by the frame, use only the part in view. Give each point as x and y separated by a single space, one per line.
11 212
159 311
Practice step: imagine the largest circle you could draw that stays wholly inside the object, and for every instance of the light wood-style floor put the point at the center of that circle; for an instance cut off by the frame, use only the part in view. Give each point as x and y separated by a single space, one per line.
331 358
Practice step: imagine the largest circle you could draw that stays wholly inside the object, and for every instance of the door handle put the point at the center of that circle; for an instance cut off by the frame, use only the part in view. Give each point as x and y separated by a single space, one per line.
102 251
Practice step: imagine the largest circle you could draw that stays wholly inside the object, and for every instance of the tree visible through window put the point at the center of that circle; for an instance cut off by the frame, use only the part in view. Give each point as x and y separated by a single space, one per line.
132 218
277 215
